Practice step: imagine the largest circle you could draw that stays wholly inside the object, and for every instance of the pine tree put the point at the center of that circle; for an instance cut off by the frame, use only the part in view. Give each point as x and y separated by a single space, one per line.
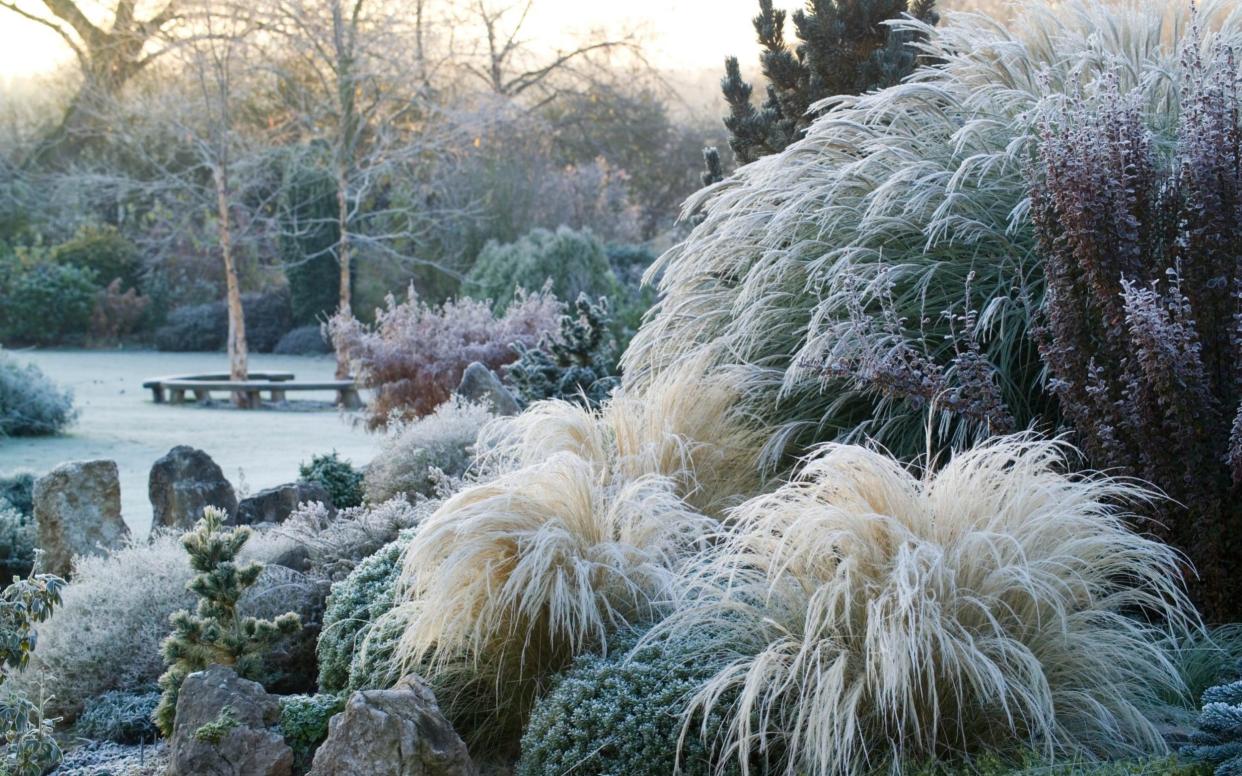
579 365
214 634
845 47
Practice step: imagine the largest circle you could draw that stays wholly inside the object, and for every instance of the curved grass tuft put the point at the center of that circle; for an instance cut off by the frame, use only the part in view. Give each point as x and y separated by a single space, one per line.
878 617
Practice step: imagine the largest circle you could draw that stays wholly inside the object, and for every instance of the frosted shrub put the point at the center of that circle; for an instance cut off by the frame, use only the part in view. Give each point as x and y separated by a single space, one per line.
30 403
414 356
418 454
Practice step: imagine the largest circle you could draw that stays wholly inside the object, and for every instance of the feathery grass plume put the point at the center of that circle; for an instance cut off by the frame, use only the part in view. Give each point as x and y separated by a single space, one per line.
888 255
877 617
684 426
512 578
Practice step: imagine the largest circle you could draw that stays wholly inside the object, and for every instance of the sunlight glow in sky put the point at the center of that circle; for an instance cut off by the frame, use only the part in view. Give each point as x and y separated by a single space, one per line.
679 34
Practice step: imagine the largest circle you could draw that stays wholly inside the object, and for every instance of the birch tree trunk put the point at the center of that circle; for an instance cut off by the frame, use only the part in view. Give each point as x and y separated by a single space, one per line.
237 349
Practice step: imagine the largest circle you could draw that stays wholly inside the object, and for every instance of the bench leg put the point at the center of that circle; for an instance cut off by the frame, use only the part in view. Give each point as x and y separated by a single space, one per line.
202 396
178 395
157 393
253 400
349 399
278 395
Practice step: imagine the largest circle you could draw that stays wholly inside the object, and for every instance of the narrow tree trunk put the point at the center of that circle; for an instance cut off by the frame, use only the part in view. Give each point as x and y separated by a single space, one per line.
343 261
237 350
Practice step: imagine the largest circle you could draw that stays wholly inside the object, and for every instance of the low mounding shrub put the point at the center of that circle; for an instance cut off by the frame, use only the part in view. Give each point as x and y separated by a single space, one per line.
414 356
304 724
621 714
1141 329
336 544
578 365
510 579
17 488
875 618
30 403
204 327
106 253
107 634
1218 740
418 455
567 262
116 313
47 303
354 604
337 476
303 341
123 717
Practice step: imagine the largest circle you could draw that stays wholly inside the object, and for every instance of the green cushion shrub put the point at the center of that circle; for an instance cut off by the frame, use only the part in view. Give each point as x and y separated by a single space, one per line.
621 714
354 604
104 251
304 724
47 303
337 476
573 262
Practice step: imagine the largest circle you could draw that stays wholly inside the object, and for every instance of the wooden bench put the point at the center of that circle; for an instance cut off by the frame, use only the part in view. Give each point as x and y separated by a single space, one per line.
158 384
202 386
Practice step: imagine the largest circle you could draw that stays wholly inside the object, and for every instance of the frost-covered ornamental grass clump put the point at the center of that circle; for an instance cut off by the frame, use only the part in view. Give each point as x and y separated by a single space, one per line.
883 268
30 403
876 617
418 455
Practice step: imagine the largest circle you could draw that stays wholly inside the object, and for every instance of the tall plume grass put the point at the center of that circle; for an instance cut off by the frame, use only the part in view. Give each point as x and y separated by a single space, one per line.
882 271
875 617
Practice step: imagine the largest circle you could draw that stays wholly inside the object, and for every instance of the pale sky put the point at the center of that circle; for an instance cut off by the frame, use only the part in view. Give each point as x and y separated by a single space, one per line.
680 34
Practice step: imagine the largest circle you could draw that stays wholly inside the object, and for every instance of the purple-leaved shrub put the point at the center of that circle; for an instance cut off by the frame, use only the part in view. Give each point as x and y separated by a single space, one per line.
1142 329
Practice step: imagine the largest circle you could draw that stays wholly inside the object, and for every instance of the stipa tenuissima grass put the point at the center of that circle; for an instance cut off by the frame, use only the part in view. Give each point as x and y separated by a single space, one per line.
883 269
875 617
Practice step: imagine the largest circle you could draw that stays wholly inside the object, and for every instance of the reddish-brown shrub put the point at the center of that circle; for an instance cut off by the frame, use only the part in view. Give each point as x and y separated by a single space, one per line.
116 314
415 354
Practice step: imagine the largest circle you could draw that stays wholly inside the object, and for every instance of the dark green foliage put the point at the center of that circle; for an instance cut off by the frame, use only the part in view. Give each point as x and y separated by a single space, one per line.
844 47
17 488
123 717
304 724
105 252
1037 764
621 714
30 403
337 476
31 750
573 262
47 303
309 233
579 364
1141 331
204 327
354 604
215 633
304 341
629 264
17 542
1219 738
214 732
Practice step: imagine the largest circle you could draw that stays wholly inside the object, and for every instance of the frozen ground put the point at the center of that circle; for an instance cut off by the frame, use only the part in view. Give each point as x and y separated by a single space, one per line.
255 448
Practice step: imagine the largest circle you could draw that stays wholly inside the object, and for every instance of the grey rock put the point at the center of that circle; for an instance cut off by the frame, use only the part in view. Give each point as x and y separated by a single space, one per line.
77 509
182 483
274 505
480 384
252 746
397 732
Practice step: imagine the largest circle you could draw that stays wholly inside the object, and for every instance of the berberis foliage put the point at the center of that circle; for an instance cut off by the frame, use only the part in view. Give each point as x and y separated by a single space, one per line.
1142 332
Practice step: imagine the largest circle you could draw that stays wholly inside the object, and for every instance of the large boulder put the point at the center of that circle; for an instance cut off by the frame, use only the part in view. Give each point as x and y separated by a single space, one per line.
397 732
227 726
274 505
77 508
480 384
182 483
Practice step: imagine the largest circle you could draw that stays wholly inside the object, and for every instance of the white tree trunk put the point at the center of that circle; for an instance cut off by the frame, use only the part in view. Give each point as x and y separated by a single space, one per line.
237 350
